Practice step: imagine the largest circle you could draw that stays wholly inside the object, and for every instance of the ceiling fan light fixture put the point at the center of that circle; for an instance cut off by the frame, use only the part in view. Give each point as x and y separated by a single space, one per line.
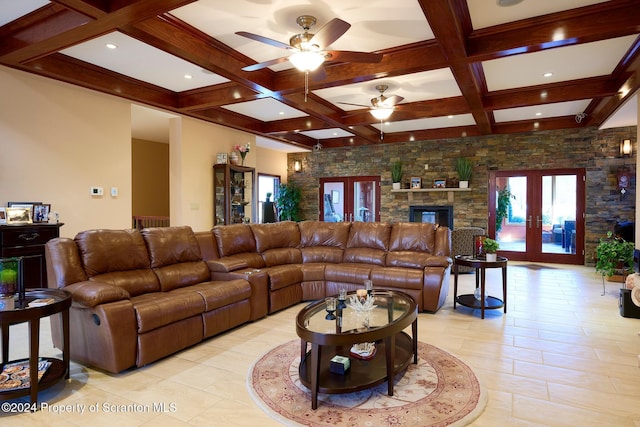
381 113
306 60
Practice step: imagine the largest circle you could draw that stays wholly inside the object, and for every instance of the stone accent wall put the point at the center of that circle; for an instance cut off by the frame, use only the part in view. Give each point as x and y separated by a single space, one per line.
596 151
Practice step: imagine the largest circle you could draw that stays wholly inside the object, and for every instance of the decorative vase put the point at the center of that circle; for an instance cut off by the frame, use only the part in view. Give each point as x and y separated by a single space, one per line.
243 155
233 158
464 184
395 185
492 257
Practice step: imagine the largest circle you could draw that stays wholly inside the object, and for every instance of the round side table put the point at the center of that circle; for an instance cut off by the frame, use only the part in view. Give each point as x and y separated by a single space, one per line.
485 302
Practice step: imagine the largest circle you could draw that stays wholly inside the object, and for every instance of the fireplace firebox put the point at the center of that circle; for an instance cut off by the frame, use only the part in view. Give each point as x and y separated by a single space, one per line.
441 215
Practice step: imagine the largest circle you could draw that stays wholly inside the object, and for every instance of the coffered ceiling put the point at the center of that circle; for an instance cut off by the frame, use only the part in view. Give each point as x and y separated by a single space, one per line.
463 67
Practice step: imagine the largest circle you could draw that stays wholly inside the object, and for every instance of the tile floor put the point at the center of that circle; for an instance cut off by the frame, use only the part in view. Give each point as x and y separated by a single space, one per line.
561 356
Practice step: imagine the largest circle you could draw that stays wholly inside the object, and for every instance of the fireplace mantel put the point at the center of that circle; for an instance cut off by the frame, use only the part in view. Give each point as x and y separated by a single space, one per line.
449 192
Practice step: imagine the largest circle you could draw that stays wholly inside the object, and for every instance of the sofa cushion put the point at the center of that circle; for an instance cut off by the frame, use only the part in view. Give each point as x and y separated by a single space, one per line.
276 235
182 274
154 310
402 278
216 294
325 234
283 276
373 235
365 255
322 254
107 252
347 273
413 236
171 245
234 239
280 256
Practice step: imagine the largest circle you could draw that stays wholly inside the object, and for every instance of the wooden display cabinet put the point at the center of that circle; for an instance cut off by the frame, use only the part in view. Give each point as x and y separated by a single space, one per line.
233 194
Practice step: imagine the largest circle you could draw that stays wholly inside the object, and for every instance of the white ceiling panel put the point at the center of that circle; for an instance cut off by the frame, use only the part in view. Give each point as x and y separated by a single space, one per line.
133 58
541 111
327 133
414 87
266 110
428 123
380 25
566 63
487 13
11 10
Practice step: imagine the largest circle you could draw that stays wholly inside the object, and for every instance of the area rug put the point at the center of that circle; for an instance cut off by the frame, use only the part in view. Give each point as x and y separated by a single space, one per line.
440 390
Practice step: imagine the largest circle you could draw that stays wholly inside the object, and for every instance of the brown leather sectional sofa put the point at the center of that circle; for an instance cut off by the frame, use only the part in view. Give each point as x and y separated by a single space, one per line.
140 296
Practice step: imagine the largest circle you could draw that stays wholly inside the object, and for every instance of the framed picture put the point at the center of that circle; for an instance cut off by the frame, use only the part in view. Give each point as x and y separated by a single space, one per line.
18 215
416 182
440 183
41 212
3 215
221 158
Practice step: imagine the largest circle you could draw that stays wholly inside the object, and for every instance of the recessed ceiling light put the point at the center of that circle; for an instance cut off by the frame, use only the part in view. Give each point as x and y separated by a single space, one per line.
538 113
549 74
543 94
111 46
505 3
450 116
188 76
281 113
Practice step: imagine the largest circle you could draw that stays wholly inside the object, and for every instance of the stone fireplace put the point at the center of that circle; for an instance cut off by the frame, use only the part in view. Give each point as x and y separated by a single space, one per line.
441 215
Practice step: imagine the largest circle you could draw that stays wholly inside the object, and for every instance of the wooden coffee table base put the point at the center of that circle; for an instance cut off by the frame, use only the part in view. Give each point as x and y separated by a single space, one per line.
362 374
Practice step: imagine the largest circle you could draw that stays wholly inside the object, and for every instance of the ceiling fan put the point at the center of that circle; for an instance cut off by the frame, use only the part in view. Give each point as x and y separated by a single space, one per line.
309 50
381 106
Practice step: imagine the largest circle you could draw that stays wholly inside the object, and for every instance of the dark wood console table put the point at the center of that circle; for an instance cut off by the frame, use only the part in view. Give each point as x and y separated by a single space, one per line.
28 240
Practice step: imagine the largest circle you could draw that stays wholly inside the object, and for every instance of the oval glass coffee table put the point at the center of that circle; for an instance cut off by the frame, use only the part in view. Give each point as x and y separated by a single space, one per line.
394 312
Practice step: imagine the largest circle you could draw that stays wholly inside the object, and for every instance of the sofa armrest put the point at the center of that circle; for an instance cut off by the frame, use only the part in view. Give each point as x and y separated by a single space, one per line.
92 293
226 265
439 261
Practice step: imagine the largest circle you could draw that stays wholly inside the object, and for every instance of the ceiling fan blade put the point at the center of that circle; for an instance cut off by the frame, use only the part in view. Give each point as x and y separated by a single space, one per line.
265 64
392 101
330 32
262 39
355 105
351 56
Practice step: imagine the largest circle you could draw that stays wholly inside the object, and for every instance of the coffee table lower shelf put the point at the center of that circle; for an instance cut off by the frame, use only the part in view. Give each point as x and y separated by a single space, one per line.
469 300
362 374
55 373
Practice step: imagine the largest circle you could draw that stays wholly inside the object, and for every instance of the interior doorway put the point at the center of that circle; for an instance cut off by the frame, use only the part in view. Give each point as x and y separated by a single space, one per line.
544 217
267 191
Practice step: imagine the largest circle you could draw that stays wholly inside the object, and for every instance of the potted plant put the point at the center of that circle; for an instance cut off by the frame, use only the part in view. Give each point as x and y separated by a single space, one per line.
396 174
288 201
490 247
503 205
614 258
464 167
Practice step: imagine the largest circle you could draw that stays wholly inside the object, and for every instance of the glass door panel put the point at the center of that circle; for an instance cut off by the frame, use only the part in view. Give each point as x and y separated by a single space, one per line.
364 200
332 202
355 198
559 211
511 213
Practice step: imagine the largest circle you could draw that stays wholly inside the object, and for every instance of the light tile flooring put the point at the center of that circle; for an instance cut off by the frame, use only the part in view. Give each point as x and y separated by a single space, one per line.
561 356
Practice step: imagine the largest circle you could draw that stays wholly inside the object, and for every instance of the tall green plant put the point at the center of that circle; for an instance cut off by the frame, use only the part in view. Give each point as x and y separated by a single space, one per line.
288 202
614 254
464 167
396 171
503 204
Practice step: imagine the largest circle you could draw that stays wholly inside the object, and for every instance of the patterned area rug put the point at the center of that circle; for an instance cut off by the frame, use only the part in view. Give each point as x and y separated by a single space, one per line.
440 390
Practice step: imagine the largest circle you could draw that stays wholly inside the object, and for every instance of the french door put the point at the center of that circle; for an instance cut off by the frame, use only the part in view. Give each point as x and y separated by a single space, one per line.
353 198
543 220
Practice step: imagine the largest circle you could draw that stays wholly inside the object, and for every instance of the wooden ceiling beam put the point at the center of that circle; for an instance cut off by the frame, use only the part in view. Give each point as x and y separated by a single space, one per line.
601 21
66 28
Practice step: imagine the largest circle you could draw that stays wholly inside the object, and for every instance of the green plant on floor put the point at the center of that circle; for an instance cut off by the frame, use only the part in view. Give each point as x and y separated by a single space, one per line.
464 167
503 204
614 255
288 202
490 246
396 171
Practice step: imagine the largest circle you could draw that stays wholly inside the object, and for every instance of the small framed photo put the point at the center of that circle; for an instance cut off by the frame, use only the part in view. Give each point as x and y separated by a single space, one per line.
416 182
3 215
221 158
18 215
41 212
440 183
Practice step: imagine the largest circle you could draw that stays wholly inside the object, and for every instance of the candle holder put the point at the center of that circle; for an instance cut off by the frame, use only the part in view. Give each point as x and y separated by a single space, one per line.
331 306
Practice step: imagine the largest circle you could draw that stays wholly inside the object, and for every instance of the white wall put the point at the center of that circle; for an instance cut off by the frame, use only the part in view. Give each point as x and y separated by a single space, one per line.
58 140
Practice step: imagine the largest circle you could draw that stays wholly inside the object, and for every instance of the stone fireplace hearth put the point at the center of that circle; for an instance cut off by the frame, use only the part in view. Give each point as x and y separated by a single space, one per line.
441 215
